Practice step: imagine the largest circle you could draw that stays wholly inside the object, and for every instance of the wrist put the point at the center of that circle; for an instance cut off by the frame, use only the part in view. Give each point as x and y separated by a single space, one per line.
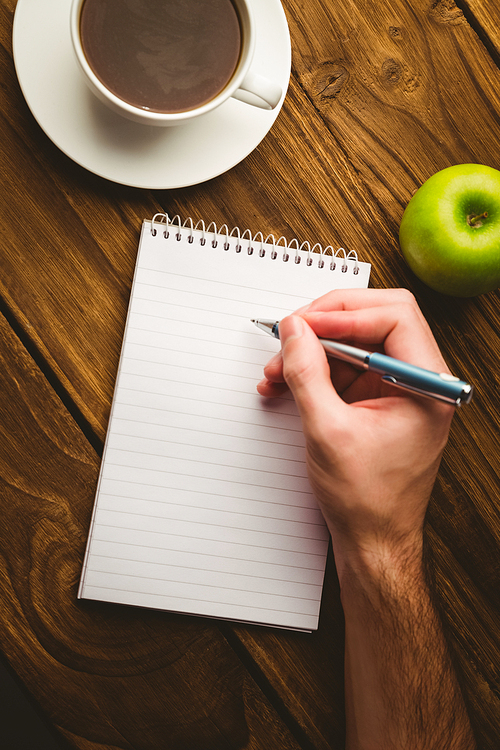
379 564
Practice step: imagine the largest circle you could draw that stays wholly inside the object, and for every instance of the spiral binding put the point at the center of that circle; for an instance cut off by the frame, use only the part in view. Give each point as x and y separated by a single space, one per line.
162 222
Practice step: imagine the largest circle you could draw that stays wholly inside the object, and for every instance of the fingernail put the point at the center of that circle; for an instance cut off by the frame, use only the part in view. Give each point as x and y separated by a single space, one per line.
263 383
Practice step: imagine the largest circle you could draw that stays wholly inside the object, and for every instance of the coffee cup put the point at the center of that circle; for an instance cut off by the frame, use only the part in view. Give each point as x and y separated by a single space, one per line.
166 62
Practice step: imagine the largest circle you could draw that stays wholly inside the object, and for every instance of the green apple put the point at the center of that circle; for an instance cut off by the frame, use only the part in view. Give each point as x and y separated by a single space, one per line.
450 230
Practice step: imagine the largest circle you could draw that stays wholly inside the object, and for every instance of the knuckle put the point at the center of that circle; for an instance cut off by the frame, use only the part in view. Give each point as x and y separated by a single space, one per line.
409 310
406 297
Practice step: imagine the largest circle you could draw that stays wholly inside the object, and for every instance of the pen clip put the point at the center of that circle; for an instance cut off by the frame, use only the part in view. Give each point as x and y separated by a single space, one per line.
406 387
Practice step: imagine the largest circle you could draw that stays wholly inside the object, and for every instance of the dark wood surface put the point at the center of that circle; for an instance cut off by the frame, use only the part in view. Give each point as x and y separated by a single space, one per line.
381 96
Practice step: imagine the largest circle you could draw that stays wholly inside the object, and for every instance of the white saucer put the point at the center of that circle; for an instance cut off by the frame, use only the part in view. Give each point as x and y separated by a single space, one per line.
122 151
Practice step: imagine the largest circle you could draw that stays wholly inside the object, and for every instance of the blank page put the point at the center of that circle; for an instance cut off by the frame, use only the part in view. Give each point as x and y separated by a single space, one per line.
203 504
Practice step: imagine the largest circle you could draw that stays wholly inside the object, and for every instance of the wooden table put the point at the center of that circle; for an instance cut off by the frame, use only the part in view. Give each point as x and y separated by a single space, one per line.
381 96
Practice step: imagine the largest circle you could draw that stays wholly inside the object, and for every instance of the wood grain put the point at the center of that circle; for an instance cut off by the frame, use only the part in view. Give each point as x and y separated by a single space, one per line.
381 97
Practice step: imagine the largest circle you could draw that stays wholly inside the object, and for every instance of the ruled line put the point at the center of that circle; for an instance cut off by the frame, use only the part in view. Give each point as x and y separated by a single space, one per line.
260 441
237 606
205 523
208 586
287 566
211 539
225 419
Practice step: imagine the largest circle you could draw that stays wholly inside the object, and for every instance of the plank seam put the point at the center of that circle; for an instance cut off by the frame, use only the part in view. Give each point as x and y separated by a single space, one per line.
51 377
267 689
479 30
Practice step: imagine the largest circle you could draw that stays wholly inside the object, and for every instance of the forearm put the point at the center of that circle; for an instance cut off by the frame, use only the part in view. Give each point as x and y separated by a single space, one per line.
401 689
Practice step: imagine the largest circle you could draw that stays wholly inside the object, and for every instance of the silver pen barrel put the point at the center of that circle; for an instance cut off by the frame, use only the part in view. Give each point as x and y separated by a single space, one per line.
346 353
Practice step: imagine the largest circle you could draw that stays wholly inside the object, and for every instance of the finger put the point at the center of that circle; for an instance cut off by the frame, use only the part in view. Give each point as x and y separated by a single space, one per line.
268 389
368 386
401 328
306 371
273 371
358 299
355 299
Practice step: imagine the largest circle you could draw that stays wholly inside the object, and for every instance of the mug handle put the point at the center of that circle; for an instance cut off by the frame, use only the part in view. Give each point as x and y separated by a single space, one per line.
258 91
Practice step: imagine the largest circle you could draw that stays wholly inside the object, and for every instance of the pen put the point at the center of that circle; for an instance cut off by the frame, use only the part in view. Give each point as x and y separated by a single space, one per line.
441 386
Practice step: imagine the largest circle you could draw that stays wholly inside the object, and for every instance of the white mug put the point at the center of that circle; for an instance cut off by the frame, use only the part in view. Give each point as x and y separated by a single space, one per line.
244 84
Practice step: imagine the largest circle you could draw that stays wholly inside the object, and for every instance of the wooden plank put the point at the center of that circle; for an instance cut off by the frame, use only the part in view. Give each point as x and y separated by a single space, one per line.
484 17
106 676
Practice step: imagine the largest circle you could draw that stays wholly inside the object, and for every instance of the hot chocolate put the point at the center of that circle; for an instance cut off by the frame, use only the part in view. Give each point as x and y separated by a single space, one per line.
162 55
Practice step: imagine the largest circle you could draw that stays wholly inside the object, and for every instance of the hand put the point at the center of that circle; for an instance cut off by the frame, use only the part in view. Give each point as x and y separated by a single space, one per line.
372 450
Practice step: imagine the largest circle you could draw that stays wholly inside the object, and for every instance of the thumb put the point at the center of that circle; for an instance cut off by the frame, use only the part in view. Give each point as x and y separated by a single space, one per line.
306 370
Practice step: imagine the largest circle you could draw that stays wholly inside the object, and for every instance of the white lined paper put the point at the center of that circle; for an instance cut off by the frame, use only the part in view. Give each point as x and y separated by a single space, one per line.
203 504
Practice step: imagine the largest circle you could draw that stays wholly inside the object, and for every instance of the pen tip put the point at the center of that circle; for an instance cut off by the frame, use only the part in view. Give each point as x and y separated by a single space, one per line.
252 320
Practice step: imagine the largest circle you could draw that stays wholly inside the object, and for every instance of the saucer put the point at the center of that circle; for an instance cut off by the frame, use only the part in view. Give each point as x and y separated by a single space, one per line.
125 152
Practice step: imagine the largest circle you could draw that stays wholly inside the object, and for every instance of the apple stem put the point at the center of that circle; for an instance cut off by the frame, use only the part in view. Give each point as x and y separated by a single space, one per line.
473 220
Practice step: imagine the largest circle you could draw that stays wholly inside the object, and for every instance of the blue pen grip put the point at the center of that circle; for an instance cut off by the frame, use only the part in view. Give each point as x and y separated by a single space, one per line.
417 377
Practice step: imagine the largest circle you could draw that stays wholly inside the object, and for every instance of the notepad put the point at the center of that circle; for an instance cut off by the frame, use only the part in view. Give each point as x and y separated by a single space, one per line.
203 504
